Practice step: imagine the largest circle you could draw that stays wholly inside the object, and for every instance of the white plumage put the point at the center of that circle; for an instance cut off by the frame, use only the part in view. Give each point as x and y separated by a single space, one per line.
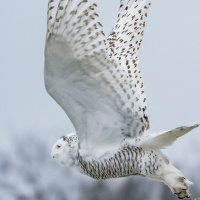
98 83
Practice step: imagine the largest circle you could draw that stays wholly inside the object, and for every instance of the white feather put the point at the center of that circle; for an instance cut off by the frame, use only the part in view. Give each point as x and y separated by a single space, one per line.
162 139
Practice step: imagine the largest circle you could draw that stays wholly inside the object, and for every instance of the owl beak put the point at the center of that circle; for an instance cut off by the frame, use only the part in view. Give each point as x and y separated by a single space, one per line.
55 156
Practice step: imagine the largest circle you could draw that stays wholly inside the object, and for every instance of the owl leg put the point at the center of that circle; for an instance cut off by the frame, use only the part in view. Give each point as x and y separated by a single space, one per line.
176 181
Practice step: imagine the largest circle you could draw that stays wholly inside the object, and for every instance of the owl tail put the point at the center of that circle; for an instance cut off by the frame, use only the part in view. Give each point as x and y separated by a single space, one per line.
164 139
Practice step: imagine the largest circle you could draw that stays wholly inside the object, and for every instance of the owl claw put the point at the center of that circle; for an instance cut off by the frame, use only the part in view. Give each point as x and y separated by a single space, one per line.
177 193
183 193
178 184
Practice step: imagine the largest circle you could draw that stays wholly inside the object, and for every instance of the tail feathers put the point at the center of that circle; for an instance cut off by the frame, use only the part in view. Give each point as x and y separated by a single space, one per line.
163 139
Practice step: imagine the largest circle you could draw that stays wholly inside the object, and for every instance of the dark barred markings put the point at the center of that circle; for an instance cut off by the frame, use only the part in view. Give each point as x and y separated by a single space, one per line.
126 162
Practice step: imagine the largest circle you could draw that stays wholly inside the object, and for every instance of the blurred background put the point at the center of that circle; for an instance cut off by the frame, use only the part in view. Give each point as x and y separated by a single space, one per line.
31 121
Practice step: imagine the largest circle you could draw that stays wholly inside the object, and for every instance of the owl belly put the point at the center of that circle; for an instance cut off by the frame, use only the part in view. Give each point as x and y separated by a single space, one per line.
125 162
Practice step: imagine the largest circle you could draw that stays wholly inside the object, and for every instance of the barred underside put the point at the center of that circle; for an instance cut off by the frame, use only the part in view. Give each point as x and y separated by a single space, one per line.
128 161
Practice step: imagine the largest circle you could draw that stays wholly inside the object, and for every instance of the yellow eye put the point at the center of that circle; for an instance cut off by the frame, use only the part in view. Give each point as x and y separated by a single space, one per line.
58 146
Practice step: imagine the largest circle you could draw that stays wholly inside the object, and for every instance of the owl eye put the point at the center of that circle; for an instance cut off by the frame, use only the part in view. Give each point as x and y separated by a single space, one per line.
58 146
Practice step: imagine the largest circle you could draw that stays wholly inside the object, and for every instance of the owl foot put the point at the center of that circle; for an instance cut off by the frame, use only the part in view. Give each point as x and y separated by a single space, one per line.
178 184
181 188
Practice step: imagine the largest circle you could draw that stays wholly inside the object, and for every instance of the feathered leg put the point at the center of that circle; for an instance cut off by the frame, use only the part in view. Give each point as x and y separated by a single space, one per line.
176 181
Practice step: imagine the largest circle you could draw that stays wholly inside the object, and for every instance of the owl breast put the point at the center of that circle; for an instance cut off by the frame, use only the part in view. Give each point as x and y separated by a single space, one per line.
127 161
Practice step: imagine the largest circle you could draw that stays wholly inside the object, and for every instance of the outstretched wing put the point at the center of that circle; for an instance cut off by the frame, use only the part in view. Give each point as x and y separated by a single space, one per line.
98 93
124 42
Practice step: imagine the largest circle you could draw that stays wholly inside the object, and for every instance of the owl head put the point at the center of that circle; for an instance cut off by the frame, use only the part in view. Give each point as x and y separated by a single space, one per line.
65 150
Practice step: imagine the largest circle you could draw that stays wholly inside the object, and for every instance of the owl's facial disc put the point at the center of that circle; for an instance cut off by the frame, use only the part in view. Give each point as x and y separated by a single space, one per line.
60 151
64 150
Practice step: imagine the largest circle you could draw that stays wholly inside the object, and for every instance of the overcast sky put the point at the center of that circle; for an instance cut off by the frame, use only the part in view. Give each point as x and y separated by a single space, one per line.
169 60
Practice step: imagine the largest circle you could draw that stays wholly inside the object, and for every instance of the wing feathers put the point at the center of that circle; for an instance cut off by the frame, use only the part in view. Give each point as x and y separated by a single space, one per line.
129 30
124 43
102 95
50 17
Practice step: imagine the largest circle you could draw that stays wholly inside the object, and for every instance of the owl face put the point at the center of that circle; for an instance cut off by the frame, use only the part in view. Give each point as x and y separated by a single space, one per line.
65 149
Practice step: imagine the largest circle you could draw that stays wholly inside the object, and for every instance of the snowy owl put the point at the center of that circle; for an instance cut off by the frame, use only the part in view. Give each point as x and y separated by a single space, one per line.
98 83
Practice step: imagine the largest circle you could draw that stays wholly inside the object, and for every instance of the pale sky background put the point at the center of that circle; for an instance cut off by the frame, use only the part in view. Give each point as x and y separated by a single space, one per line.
169 60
